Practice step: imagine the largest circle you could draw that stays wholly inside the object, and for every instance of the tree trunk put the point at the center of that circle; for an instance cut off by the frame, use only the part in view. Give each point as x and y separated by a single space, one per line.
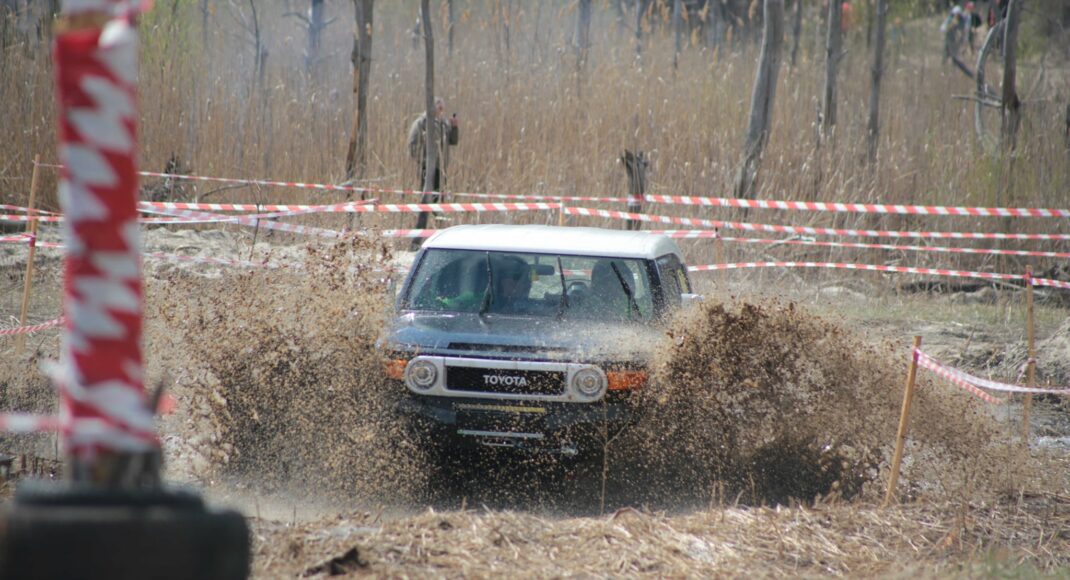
715 23
204 23
430 142
677 22
640 10
873 133
832 61
451 15
316 25
357 155
583 34
636 165
796 32
761 107
1010 107
619 9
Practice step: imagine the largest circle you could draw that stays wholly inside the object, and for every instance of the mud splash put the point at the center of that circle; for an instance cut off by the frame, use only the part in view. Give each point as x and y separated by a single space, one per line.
765 402
283 377
755 402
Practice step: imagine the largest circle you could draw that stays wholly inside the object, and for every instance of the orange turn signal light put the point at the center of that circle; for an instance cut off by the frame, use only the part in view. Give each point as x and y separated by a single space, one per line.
395 369
625 380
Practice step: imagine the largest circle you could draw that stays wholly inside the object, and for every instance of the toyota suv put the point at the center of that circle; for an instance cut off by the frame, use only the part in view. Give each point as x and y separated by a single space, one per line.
531 337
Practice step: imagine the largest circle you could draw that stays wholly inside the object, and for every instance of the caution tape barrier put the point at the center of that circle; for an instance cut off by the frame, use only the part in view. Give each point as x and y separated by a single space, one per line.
879 268
990 384
31 329
813 206
804 230
946 373
23 423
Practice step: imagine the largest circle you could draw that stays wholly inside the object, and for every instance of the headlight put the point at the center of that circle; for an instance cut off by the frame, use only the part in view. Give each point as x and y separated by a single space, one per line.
421 374
589 383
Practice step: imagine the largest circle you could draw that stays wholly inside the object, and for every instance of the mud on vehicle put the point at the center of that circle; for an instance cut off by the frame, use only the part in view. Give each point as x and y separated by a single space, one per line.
531 337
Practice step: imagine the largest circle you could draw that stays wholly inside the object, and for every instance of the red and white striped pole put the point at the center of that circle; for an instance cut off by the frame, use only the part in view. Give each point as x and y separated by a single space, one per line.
104 411
114 519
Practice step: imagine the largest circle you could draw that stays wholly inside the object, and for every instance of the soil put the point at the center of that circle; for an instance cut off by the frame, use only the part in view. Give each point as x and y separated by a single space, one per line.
775 406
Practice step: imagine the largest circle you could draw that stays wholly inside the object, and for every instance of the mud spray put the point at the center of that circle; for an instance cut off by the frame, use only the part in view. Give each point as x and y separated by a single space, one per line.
282 385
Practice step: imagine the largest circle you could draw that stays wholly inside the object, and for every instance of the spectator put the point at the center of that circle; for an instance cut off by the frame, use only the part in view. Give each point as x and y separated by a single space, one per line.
446 133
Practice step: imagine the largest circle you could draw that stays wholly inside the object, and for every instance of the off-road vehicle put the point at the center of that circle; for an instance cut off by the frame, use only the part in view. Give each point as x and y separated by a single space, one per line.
531 337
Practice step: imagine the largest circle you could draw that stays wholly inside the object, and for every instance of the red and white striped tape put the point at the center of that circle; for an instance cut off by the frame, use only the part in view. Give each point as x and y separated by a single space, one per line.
25 424
804 230
31 329
878 208
22 209
941 249
878 268
995 385
252 222
241 206
16 239
948 374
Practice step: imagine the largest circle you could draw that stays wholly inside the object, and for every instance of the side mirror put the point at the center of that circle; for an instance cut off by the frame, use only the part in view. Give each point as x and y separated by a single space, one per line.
690 299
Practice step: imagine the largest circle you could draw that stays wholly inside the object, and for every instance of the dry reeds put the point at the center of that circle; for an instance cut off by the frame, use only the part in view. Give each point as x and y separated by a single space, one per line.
530 126
835 539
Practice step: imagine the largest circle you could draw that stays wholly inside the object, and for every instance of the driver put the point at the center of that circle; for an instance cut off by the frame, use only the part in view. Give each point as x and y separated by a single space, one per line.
512 281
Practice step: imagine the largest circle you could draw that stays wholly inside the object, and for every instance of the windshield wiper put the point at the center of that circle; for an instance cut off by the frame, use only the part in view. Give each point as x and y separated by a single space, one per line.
487 294
633 306
563 305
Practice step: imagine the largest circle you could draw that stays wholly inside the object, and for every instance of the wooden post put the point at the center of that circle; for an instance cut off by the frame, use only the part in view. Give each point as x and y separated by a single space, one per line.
31 229
561 213
1031 362
904 421
718 249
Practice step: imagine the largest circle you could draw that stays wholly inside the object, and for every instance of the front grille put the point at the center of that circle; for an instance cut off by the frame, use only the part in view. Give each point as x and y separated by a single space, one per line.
505 348
504 381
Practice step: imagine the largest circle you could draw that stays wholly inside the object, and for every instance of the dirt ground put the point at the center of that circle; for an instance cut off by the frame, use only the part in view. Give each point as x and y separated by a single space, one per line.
320 513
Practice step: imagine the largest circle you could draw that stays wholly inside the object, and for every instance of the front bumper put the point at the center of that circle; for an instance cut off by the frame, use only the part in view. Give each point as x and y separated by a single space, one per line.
567 428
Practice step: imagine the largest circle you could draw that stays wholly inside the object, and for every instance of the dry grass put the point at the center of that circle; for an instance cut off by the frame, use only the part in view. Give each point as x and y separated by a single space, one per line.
927 540
530 127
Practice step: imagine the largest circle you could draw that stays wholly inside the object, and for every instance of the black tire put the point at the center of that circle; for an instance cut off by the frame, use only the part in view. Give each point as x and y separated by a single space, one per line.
90 534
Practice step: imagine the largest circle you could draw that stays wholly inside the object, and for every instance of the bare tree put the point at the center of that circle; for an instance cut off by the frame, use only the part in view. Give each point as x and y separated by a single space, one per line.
315 24
1010 108
430 140
252 26
583 34
451 22
763 97
833 50
677 22
640 10
715 23
796 31
356 156
205 13
618 8
873 132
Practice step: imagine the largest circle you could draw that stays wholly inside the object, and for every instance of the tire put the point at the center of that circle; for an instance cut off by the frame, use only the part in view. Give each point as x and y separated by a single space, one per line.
56 532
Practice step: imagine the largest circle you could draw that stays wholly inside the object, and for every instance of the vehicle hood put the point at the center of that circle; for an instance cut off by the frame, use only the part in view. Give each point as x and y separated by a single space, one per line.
522 337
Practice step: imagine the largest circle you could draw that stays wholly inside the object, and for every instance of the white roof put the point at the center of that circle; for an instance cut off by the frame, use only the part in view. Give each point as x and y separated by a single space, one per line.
554 240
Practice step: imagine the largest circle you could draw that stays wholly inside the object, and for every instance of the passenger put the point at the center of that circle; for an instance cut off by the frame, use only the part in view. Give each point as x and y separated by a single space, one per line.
607 297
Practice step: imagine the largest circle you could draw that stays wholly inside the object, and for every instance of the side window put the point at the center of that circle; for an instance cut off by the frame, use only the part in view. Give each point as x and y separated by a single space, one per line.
674 277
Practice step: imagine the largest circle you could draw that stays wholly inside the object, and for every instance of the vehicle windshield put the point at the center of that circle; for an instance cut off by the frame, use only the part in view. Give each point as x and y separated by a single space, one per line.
531 284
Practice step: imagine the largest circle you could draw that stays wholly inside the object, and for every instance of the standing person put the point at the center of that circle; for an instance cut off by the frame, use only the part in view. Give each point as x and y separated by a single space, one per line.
446 133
